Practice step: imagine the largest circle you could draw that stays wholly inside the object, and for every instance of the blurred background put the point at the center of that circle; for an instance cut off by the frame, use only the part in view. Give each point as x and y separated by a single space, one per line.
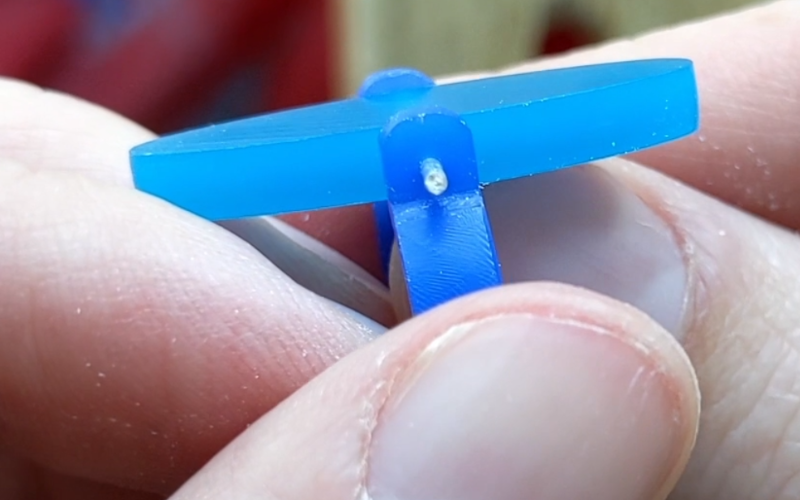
172 64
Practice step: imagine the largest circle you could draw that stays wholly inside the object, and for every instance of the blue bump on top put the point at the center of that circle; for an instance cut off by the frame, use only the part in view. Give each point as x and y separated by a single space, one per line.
395 83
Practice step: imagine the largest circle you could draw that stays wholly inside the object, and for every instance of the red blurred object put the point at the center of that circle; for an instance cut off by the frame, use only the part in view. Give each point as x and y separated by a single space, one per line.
163 69
172 64
565 35
34 37
303 58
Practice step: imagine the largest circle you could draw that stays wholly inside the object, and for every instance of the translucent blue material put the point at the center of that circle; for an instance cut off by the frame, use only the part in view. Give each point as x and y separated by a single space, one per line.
445 239
329 155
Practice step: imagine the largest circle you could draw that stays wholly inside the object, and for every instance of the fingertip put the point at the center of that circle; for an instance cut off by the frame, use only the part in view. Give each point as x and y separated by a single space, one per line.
527 391
48 130
128 324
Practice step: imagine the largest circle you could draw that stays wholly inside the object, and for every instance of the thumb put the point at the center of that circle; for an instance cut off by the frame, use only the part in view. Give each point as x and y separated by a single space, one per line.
532 391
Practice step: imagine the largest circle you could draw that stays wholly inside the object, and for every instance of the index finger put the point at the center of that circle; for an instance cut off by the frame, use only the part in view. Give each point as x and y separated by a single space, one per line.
747 150
136 339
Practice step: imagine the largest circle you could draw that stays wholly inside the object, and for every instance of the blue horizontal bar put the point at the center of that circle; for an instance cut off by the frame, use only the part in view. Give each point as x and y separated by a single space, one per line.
328 155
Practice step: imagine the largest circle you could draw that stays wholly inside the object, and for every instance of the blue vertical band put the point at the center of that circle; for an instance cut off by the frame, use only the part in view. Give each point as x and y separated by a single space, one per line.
444 238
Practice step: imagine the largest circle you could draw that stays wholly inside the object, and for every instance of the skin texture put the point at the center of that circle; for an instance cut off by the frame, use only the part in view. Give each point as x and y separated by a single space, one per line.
139 341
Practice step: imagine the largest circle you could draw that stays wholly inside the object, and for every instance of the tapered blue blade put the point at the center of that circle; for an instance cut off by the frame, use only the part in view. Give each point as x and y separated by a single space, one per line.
328 155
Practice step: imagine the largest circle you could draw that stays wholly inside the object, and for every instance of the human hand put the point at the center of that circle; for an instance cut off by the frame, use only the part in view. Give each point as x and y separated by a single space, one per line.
139 340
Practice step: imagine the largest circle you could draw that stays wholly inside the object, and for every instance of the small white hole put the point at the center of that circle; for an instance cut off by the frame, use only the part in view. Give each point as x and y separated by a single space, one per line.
434 176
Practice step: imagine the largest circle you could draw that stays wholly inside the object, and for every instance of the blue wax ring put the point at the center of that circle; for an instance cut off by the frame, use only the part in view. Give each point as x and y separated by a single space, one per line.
328 155
422 154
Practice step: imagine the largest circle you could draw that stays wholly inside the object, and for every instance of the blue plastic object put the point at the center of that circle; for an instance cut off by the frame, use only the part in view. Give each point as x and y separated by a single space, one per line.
438 212
404 138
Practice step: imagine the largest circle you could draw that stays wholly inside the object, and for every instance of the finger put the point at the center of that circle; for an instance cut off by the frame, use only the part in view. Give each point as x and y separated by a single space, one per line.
49 131
535 391
137 339
747 150
722 281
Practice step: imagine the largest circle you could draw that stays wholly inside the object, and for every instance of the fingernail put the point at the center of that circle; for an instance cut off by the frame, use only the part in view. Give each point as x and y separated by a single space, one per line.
317 268
580 227
523 408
